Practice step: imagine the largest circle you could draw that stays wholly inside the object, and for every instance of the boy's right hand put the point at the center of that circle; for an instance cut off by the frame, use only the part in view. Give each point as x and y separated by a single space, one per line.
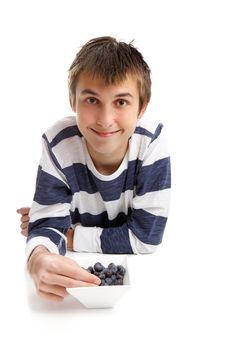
53 273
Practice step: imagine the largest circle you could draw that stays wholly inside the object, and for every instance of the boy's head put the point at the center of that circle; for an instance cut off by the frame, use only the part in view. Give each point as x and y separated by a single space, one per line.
111 60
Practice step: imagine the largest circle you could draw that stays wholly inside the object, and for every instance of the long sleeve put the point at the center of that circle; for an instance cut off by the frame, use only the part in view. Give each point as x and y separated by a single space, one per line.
49 214
147 217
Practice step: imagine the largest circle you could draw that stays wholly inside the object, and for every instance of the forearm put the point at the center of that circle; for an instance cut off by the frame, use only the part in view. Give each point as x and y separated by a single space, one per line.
113 240
50 211
53 239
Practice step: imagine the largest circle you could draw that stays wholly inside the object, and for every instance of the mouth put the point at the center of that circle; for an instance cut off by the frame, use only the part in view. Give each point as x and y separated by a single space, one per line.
105 133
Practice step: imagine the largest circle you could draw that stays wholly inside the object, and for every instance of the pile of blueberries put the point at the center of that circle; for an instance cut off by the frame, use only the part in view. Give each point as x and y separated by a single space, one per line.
112 275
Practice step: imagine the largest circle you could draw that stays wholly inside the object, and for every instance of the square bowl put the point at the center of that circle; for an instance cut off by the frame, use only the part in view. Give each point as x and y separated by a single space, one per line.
101 296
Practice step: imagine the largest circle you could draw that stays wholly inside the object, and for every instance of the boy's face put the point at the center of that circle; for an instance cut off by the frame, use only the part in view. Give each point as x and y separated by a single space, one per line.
106 115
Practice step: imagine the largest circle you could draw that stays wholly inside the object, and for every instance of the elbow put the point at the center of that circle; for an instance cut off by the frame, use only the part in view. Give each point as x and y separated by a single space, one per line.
147 251
142 248
139 247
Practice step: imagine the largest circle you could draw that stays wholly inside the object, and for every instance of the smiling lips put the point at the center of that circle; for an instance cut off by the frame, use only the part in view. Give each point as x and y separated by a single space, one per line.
105 133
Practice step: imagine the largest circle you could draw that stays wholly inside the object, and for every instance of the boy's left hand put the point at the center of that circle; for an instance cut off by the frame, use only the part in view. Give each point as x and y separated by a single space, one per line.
24 211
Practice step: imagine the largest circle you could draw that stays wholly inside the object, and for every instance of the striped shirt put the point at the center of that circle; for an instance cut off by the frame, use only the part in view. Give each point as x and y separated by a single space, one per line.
125 212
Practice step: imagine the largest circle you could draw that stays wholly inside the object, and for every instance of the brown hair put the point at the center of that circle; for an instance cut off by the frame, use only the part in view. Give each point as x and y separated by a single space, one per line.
111 60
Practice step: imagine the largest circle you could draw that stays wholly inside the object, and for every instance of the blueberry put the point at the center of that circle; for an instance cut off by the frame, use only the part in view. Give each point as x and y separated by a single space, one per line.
103 283
108 280
113 268
119 281
90 269
98 267
108 273
113 277
121 270
119 276
102 275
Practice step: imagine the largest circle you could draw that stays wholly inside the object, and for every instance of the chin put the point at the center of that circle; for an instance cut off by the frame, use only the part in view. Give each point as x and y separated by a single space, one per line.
106 150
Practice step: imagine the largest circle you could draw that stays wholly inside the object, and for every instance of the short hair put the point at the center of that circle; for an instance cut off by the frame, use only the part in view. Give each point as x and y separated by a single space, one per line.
111 60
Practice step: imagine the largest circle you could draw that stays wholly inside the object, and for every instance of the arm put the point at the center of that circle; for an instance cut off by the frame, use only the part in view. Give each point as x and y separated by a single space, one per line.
49 214
24 212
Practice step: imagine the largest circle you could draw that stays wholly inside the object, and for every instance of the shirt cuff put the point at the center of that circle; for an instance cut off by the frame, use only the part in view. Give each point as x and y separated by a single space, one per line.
46 242
87 239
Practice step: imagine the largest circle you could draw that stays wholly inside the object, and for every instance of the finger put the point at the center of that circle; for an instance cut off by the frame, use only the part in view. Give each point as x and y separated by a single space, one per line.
24 218
24 226
53 289
75 272
85 284
87 279
23 210
80 274
24 232
66 282
50 296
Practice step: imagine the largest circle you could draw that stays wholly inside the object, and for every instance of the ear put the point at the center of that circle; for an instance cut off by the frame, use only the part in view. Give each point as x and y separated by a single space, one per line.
143 109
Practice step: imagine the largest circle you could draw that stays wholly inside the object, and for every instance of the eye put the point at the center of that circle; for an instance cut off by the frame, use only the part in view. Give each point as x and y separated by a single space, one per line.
121 103
91 100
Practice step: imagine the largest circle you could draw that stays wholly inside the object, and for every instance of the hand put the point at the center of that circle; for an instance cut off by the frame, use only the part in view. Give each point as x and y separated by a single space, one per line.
53 273
24 211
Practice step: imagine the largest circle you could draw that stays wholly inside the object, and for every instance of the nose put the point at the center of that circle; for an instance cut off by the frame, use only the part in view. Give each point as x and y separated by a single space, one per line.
105 117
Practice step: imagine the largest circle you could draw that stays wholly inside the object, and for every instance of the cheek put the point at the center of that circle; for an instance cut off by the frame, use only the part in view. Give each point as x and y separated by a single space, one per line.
129 122
85 116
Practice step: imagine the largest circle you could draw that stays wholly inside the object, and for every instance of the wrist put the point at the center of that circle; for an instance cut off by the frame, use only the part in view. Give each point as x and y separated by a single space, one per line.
35 253
70 236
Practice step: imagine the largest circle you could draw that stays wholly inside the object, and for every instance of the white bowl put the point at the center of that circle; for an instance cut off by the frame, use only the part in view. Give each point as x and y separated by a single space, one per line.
101 296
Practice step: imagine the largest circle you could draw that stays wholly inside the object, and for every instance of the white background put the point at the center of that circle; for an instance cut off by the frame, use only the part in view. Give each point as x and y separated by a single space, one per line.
181 296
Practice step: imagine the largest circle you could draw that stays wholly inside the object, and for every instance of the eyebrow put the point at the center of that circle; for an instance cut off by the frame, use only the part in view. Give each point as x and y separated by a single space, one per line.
91 92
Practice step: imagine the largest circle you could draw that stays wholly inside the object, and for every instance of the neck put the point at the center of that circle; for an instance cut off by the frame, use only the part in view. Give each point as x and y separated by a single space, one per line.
107 164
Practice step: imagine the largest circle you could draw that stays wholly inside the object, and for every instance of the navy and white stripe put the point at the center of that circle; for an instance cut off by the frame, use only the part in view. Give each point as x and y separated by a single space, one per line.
125 212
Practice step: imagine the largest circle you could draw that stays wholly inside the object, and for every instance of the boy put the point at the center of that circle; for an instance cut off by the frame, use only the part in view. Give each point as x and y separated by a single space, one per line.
105 173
